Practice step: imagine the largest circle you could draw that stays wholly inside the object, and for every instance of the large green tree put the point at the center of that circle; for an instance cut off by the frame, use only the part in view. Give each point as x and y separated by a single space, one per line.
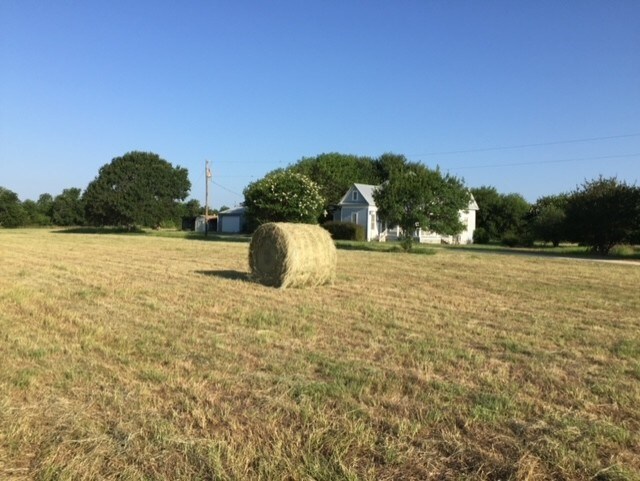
501 216
602 213
45 207
387 164
192 208
334 173
547 218
283 196
12 214
417 197
488 199
68 208
139 188
512 219
31 211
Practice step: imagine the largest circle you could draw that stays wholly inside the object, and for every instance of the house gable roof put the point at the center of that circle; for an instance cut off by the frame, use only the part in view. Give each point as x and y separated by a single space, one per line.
473 205
366 193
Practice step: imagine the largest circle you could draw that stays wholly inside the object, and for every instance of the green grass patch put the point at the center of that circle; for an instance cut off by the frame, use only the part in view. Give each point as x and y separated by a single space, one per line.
627 348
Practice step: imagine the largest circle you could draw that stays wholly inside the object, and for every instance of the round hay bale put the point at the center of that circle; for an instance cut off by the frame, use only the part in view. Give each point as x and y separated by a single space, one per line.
292 255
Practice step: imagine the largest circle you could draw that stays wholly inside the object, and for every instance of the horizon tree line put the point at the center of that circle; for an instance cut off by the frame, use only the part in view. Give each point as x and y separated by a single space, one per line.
142 189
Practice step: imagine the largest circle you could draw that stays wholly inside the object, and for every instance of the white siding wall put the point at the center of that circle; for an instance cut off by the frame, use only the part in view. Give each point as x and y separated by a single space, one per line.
469 219
200 224
364 219
361 212
229 224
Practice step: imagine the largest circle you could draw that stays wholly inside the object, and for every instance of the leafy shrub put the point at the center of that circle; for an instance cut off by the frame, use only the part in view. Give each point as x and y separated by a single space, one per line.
282 196
481 236
345 230
407 243
602 213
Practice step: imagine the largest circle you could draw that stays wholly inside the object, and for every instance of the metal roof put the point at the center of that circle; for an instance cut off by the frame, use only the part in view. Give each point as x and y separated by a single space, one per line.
233 211
366 191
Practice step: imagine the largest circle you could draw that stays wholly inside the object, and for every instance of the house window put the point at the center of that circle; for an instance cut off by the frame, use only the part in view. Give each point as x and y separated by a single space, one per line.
354 217
354 195
373 221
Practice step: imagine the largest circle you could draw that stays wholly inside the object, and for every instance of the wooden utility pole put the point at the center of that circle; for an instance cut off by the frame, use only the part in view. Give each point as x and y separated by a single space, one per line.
207 179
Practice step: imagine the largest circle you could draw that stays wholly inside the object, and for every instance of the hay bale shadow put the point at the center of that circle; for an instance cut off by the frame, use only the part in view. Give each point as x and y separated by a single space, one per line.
227 274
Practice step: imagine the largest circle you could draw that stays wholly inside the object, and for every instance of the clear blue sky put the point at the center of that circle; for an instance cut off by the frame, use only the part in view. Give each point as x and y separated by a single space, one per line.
253 86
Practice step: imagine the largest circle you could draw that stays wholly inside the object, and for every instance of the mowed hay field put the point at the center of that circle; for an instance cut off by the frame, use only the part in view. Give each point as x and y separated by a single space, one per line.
134 357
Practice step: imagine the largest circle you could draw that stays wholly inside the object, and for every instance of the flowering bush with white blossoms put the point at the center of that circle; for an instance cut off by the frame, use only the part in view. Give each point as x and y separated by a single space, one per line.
283 196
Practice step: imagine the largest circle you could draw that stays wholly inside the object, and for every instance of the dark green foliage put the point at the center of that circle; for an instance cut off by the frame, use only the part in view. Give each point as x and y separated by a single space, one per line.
387 164
68 208
512 213
34 214
488 200
417 197
480 236
12 214
138 188
548 218
510 239
43 213
45 205
602 213
334 173
345 231
282 196
192 208
517 239
501 215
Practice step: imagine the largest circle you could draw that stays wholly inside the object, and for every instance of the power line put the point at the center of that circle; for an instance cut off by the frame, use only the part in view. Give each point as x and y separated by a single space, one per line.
228 190
536 162
523 146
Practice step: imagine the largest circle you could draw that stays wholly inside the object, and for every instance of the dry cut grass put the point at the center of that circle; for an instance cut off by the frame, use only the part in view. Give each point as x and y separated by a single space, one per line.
131 358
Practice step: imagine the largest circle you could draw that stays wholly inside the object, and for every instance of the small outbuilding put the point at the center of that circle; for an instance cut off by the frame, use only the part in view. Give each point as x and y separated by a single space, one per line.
206 222
231 221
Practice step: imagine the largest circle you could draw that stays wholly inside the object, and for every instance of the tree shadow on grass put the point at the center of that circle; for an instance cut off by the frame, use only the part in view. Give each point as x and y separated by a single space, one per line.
198 236
540 251
99 230
227 274
214 237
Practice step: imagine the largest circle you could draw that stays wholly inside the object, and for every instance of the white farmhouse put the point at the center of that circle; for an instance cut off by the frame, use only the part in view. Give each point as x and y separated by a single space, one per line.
359 207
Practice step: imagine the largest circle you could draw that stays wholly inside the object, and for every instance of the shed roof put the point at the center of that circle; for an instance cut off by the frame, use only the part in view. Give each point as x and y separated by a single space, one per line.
233 211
